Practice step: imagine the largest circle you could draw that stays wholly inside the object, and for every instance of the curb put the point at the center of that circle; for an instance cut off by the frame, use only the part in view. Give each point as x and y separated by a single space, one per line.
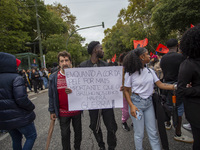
33 93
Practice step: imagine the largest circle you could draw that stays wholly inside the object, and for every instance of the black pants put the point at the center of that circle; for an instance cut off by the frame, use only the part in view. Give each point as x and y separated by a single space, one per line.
196 136
110 123
35 85
65 131
40 83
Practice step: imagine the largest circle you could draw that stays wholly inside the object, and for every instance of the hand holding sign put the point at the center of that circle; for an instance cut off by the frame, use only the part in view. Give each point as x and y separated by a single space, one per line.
94 88
68 90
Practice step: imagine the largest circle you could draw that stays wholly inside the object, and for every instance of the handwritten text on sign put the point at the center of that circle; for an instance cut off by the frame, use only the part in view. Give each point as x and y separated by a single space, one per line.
94 87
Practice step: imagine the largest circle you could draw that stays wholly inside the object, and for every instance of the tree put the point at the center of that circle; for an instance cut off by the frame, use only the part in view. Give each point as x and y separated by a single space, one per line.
175 15
133 24
12 35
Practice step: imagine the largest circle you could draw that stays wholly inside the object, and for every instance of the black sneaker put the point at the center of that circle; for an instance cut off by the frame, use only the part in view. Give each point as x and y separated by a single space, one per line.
125 126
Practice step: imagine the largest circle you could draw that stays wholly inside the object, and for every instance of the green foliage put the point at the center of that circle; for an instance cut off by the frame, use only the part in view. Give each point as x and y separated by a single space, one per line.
51 57
77 51
157 20
175 15
133 24
18 26
12 35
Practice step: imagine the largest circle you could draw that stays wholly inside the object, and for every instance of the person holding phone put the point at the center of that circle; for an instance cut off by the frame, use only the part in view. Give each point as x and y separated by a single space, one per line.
140 80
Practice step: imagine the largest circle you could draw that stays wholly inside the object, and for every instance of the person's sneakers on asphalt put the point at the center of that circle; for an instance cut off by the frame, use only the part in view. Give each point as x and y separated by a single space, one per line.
168 125
183 138
187 126
125 126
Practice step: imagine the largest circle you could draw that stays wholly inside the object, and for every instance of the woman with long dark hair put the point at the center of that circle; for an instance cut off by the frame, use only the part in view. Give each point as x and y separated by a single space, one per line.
189 74
140 80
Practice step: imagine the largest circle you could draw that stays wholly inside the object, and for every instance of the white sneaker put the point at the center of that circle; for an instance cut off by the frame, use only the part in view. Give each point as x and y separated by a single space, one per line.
168 126
183 138
187 126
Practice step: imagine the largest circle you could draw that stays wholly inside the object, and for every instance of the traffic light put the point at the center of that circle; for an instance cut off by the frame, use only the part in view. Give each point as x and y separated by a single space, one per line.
103 24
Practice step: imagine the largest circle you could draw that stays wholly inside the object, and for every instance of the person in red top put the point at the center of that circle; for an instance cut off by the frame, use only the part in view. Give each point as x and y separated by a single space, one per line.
58 104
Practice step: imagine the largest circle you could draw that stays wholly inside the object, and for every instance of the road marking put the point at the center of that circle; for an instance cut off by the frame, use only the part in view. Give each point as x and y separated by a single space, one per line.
33 98
4 136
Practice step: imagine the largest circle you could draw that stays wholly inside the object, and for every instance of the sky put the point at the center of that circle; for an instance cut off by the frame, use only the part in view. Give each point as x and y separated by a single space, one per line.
91 13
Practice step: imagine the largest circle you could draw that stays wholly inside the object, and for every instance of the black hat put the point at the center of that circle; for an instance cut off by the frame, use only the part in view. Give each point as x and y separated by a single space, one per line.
172 43
91 46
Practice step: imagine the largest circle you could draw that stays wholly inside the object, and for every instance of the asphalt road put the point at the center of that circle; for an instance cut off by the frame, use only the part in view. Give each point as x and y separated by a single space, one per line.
125 139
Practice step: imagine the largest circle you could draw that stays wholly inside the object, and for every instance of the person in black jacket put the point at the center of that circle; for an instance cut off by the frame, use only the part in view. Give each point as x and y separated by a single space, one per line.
189 73
170 64
16 110
35 79
96 52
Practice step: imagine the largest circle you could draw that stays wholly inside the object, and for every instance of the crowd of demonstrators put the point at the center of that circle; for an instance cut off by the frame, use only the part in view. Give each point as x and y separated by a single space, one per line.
58 104
112 63
16 110
140 80
35 78
141 74
125 113
189 74
155 65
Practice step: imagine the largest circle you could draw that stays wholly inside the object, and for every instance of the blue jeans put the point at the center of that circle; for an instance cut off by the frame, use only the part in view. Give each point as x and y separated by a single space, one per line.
148 120
45 81
30 134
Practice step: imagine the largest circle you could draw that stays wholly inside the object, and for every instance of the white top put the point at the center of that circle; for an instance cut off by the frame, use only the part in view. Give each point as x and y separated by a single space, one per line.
142 83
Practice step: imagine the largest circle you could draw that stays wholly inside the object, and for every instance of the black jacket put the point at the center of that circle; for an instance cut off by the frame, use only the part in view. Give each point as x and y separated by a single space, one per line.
53 94
88 63
190 73
170 64
16 110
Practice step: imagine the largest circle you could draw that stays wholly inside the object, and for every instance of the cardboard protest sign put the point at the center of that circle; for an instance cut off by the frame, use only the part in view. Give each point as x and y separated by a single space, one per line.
94 87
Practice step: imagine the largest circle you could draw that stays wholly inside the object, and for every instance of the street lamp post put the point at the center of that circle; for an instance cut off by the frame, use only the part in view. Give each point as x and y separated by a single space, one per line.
39 36
102 24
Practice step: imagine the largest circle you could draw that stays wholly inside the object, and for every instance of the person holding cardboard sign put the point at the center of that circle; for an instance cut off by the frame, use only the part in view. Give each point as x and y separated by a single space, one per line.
96 52
58 104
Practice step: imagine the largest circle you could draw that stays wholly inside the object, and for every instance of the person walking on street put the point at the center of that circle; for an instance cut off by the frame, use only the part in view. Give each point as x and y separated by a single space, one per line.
16 110
189 74
58 104
96 51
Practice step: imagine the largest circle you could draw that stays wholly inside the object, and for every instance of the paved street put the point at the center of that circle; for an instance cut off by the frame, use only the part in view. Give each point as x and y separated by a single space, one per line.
124 139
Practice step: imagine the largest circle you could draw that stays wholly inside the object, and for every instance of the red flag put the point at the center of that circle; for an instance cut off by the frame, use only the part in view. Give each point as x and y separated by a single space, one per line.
114 58
162 49
18 62
140 43
151 54
191 25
